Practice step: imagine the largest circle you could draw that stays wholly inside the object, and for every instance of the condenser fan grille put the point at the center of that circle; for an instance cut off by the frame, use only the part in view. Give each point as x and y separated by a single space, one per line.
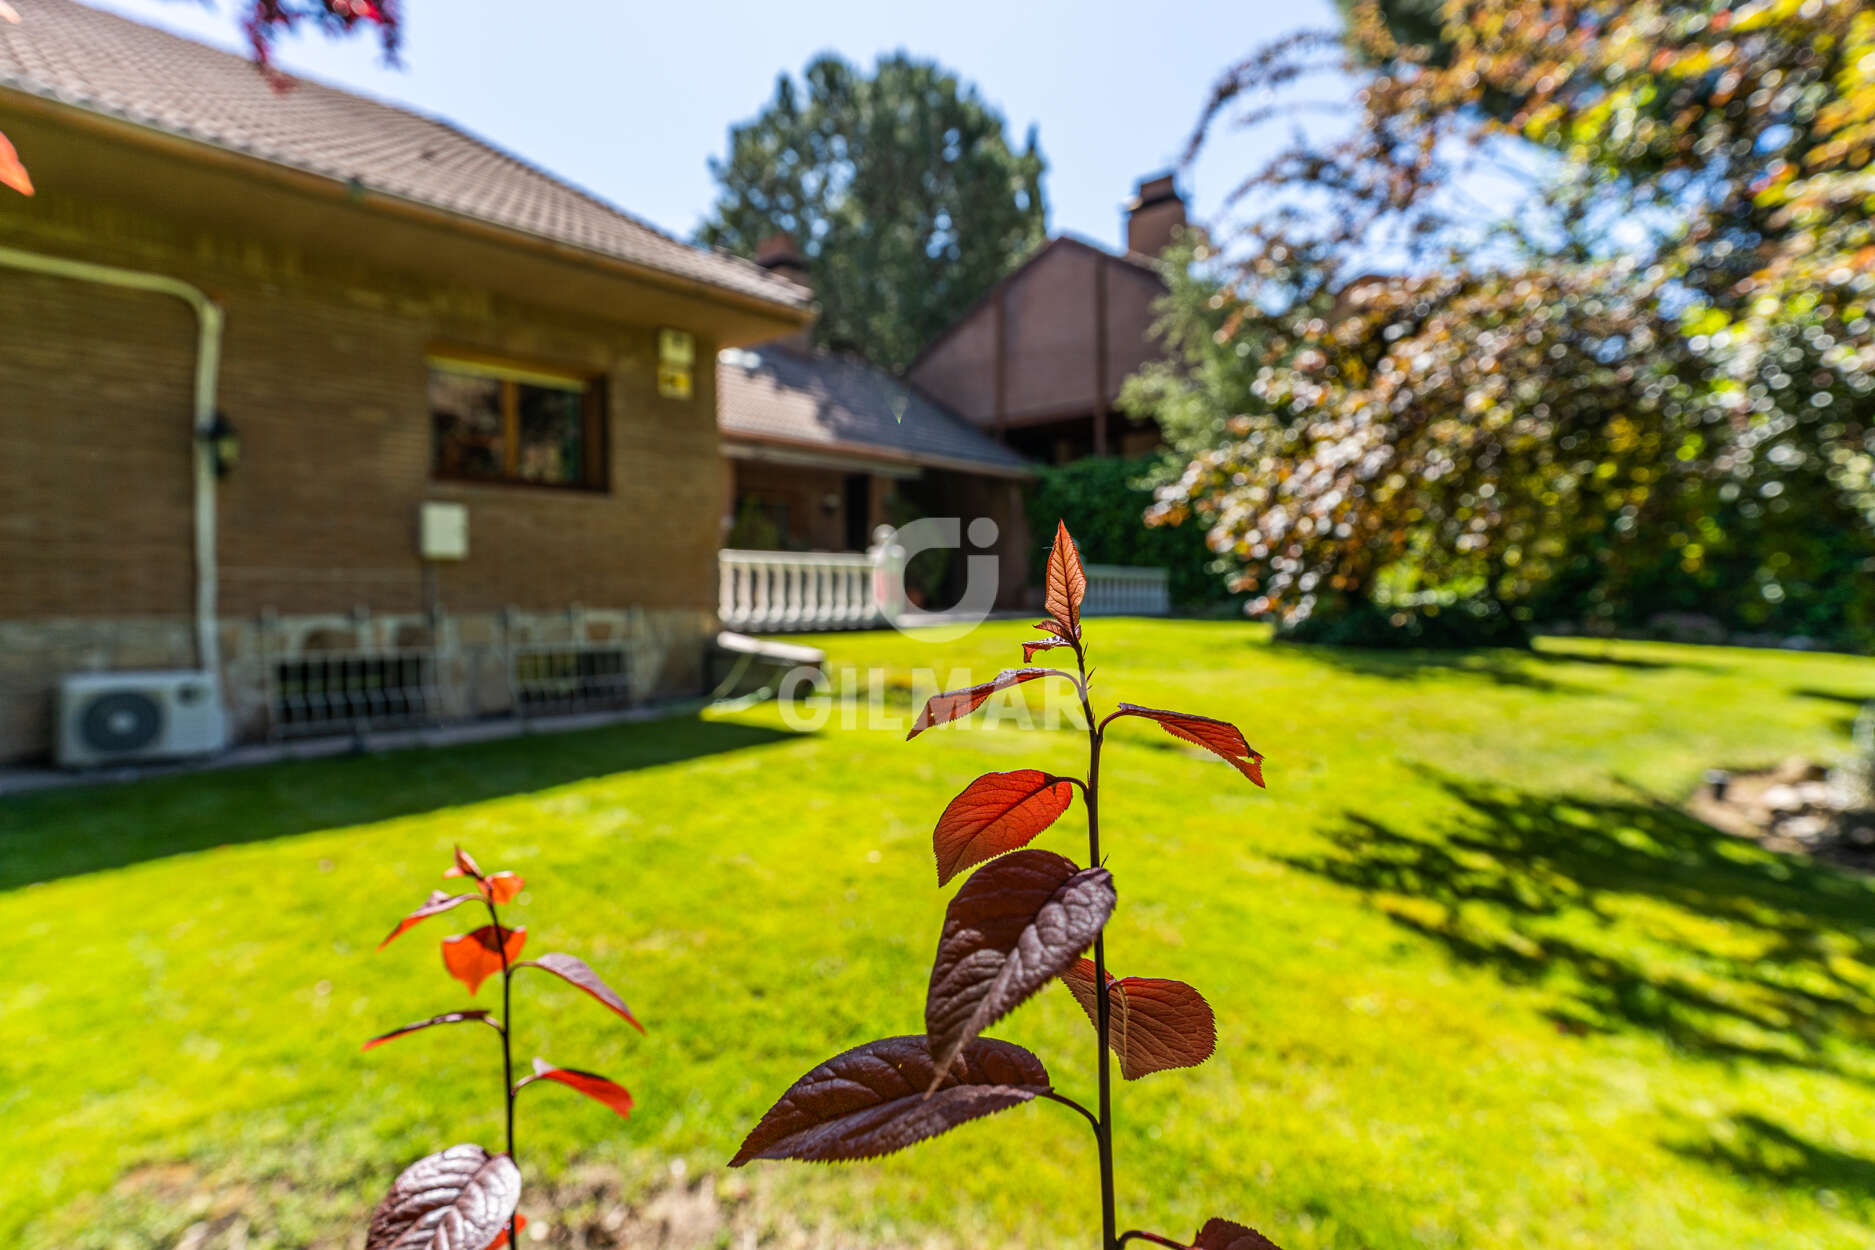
124 720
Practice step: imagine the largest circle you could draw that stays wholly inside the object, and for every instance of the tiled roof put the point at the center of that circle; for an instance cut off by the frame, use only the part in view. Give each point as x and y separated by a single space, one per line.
1132 260
61 50
814 400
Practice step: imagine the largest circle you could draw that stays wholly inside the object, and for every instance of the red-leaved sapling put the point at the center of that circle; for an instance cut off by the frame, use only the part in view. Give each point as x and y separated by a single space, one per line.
464 1198
1023 919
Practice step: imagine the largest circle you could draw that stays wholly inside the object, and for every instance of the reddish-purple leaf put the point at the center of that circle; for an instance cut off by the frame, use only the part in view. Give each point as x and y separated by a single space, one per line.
1228 1235
591 1084
1221 738
12 173
575 972
997 812
458 1199
449 1017
1044 644
1152 1024
501 1238
887 1095
1059 630
438 903
472 958
1019 922
465 866
500 887
1066 584
955 703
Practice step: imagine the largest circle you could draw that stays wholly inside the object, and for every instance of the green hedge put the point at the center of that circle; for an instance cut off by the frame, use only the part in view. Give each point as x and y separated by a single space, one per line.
1101 500
1427 622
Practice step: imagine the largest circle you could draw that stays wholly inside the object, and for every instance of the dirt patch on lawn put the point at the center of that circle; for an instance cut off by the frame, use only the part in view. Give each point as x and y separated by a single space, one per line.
583 1211
1797 808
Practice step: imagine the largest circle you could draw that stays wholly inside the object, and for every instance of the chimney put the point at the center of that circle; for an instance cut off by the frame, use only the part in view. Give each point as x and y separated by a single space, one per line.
780 256
1154 214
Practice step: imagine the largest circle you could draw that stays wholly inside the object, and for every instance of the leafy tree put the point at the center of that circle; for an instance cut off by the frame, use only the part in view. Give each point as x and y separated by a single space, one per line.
1209 370
264 20
901 189
1408 21
1466 427
1105 496
1669 348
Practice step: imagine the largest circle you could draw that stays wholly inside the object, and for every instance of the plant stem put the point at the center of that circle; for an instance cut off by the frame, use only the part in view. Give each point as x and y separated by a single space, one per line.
1064 1100
1155 1238
1103 1126
507 1048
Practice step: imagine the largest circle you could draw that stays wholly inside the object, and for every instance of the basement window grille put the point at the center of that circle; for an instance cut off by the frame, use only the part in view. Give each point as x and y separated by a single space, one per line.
343 690
551 679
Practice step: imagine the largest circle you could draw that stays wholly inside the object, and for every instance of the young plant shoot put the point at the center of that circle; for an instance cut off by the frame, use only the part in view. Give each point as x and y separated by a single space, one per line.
464 1198
1023 919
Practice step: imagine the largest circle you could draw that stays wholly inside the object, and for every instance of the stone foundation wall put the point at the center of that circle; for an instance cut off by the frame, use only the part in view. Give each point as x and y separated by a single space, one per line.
471 652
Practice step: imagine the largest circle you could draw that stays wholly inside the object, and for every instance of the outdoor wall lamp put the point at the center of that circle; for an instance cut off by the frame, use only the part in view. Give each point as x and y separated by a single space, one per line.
223 442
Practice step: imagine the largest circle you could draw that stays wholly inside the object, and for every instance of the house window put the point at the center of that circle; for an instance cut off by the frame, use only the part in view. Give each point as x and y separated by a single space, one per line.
494 423
761 524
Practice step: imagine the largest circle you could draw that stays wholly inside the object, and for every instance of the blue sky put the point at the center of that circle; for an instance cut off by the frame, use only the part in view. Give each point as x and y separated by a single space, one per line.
630 99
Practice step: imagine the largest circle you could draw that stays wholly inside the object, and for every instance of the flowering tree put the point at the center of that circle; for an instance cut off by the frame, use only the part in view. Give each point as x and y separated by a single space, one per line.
264 20
1672 332
1469 425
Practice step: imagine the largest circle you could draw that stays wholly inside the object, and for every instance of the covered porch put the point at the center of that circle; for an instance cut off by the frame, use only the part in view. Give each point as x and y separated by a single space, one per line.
822 453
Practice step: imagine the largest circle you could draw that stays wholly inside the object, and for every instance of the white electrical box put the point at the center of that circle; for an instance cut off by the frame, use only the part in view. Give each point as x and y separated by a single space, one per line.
444 531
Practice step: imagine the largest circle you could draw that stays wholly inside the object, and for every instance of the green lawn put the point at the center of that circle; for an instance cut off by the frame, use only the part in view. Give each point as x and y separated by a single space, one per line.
1478 983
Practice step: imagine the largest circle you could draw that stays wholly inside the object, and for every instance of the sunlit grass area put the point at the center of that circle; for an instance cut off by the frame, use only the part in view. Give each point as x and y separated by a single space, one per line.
1478 981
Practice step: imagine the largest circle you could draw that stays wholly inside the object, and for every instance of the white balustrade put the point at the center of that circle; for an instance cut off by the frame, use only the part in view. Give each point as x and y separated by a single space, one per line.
788 590
1121 590
782 591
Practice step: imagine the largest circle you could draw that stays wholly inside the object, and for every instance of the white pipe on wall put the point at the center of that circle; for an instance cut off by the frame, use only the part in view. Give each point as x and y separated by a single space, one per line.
209 320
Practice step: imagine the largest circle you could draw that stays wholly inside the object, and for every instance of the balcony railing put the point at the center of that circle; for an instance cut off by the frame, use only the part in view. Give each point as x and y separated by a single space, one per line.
785 590
1122 590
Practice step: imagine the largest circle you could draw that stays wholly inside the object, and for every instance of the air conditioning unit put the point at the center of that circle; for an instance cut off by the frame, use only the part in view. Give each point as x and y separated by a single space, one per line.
119 718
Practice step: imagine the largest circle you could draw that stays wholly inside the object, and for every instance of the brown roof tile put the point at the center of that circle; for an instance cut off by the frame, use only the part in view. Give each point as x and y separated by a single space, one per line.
64 51
816 400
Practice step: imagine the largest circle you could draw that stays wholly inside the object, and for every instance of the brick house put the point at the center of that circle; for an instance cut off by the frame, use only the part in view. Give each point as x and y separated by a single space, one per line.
1040 359
824 448
411 337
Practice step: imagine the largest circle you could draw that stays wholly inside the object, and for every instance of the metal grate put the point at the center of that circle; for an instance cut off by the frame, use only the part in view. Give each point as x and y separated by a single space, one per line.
552 679
333 692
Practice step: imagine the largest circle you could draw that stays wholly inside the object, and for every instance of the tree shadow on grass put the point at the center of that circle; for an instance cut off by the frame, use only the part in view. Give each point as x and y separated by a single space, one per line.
1854 701
1750 1146
1632 663
1843 726
60 833
1542 669
1633 917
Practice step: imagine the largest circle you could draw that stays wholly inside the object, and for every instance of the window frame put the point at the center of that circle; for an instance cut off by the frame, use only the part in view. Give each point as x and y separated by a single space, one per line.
595 468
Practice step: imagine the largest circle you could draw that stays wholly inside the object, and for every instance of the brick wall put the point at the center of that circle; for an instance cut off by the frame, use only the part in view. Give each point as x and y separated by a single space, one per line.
1047 315
802 495
324 376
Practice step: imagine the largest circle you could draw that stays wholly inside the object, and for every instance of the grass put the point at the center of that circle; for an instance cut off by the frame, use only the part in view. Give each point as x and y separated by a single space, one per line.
1478 982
